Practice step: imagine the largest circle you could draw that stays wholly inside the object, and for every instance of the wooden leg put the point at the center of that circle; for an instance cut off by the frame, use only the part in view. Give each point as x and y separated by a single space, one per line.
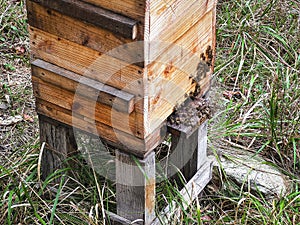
189 151
135 187
59 143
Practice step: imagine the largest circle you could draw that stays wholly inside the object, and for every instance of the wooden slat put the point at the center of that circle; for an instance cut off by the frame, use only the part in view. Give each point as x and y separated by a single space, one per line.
214 34
170 100
184 53
188 194
88 108
173 74
79 32
134 9
97 16
121 140
85 61
93 90
171 19
115 219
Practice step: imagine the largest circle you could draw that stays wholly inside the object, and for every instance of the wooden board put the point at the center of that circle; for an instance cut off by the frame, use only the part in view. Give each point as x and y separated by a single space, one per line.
119 100
85 61
82 33
97 16
188 194
121 140
88 108
173 18
172 77
132 8
184 53
135 187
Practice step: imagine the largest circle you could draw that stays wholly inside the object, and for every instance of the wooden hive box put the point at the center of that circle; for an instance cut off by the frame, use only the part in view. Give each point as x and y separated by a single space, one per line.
119 68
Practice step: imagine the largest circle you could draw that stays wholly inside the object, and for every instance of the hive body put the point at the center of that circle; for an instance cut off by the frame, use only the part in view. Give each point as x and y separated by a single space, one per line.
119 68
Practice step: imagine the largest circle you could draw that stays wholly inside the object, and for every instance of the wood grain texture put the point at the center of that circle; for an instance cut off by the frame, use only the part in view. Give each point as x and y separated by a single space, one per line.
88 108
135 187
173 74
87 62
119 100
132 8
59 144
80 32
173 18
121 140
97 16
183 53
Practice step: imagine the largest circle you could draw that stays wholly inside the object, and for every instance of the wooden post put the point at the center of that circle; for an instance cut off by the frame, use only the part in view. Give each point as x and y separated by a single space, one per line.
188 152
135 187
59 143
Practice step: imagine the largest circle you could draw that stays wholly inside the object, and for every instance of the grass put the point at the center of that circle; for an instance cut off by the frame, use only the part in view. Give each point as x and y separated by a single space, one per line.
257 109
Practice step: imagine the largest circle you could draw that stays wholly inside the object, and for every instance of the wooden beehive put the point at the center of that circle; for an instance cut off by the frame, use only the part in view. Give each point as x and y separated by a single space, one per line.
127 94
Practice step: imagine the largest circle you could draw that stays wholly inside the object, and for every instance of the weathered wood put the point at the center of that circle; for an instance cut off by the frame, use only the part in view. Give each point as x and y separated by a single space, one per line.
214 34
118 99
59 144
97 16
114 219
88 108
171 19
177 70
189 152
87 62
114 137
82 33
132 8
188 194
135 190
184 52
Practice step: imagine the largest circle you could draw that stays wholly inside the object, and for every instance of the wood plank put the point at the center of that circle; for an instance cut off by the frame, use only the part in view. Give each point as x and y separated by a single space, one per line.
132 8
97 16
88 108
188 194
214 35
166 96
177 71
167 107
87 62
171 19
121 140
115 219
80 32
135 187
93 90
187 48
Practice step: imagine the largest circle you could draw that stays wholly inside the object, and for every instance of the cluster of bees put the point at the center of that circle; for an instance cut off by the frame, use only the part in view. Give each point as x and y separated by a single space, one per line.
191 114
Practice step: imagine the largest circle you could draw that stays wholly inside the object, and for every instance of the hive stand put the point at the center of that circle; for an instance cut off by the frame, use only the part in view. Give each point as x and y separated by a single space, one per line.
136 203
118 70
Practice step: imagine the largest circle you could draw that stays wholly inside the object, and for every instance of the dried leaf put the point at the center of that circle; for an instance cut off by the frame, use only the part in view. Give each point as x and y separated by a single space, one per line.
20 50
206 218
232 95
28 118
